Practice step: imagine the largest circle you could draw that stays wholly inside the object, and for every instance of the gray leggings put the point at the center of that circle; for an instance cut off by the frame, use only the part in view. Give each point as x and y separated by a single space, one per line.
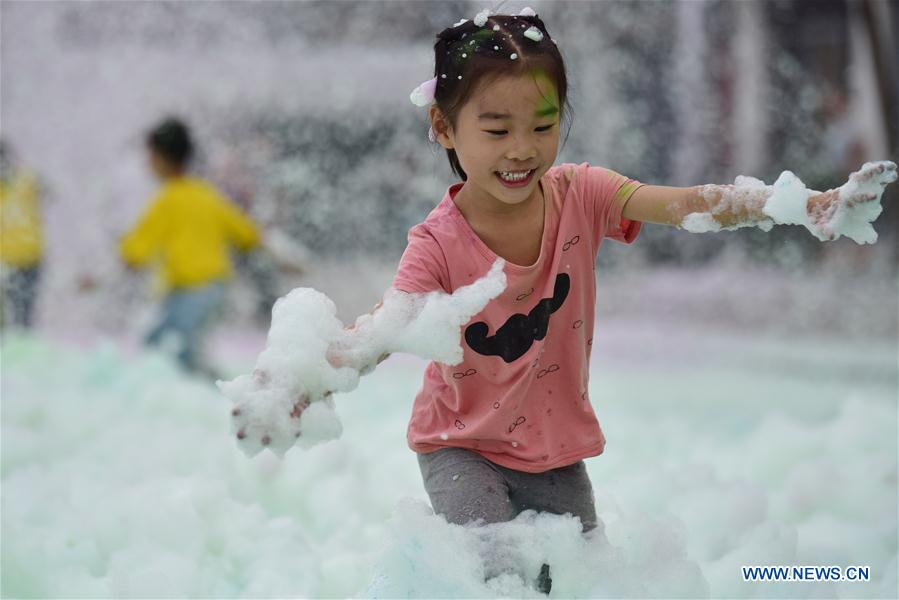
464 486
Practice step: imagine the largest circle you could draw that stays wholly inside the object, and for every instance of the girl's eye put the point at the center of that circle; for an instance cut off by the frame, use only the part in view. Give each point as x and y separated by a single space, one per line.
503 131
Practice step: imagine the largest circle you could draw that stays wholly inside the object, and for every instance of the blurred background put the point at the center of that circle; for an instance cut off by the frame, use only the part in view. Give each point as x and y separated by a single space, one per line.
301 116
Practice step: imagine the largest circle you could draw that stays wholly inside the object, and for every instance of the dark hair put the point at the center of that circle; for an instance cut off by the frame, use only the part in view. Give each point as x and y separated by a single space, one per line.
488 51
171 140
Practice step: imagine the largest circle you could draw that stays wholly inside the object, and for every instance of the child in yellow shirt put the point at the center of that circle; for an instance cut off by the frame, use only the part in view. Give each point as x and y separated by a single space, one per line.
187 232
21 239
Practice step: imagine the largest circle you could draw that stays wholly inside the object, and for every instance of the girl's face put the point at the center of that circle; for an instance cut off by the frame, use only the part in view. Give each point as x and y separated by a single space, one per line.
509 124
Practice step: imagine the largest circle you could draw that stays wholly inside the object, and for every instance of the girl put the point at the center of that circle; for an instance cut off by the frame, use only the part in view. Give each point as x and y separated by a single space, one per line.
509 428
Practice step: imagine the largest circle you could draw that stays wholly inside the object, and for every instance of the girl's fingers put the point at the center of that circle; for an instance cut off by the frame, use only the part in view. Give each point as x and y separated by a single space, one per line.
860 199
885 172
869 172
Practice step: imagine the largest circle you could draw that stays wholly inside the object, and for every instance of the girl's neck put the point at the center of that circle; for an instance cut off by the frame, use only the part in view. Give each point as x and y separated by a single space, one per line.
476 205
513 232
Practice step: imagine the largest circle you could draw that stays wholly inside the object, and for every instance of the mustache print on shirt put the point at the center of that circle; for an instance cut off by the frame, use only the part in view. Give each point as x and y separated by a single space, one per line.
519 332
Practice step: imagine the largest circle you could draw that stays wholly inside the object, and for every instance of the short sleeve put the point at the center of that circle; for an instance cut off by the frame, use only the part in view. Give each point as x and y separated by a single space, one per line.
422 267
605 194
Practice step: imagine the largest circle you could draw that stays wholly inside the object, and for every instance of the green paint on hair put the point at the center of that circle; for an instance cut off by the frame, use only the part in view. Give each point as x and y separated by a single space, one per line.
548 105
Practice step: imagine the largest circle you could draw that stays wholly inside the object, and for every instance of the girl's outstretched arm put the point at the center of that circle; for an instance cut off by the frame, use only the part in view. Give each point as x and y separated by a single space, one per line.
341 355
668 205
746 203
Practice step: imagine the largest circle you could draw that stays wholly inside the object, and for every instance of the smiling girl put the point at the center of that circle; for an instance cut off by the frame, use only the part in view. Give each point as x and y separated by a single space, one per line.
508 429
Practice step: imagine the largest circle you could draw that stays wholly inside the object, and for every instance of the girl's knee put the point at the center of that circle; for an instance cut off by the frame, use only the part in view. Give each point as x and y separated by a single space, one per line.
464 487
484 509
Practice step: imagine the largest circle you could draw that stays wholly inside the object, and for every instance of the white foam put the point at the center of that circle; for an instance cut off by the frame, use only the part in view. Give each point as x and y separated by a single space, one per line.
423 94
700 223
118 480
287 399
533 33
853 219
426 557
786 202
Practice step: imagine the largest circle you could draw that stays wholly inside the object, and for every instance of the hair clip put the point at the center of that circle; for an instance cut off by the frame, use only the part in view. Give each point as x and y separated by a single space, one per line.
527 11
533 33
424 93
481 18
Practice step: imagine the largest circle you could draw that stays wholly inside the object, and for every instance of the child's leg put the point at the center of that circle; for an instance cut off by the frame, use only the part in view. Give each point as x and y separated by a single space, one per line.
21 292
559 491
464 486
165 324
32 277
198 310
185 313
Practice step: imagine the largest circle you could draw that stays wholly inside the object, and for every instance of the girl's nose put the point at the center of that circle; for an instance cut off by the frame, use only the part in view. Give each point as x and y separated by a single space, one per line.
522 150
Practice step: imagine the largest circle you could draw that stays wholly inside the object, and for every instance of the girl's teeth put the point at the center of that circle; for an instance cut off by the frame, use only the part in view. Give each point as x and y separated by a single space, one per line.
514 176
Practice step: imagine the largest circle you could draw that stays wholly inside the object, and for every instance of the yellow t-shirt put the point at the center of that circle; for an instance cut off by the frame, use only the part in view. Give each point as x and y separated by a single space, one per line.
21 239
188 229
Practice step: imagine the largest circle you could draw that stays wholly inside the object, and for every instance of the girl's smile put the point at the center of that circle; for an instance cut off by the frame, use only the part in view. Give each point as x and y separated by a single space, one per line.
515 179
506 136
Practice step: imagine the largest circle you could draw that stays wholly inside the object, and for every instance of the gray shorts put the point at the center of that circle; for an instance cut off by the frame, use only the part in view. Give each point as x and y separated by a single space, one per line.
464 486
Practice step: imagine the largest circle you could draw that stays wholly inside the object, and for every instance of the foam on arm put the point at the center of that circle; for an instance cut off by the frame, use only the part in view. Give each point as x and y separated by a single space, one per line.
849 210
287 399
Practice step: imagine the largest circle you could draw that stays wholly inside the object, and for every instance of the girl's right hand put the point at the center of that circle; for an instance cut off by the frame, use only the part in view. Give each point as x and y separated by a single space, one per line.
268 432
265 437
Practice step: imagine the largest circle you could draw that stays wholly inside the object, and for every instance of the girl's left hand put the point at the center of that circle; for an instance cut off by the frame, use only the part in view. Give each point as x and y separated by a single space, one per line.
863 190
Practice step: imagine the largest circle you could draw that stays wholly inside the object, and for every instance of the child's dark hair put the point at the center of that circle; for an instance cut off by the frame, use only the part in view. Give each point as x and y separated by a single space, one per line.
468 55
171 139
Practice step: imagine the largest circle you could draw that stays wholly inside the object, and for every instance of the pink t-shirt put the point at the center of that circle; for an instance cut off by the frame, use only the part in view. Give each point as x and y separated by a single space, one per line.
519 397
